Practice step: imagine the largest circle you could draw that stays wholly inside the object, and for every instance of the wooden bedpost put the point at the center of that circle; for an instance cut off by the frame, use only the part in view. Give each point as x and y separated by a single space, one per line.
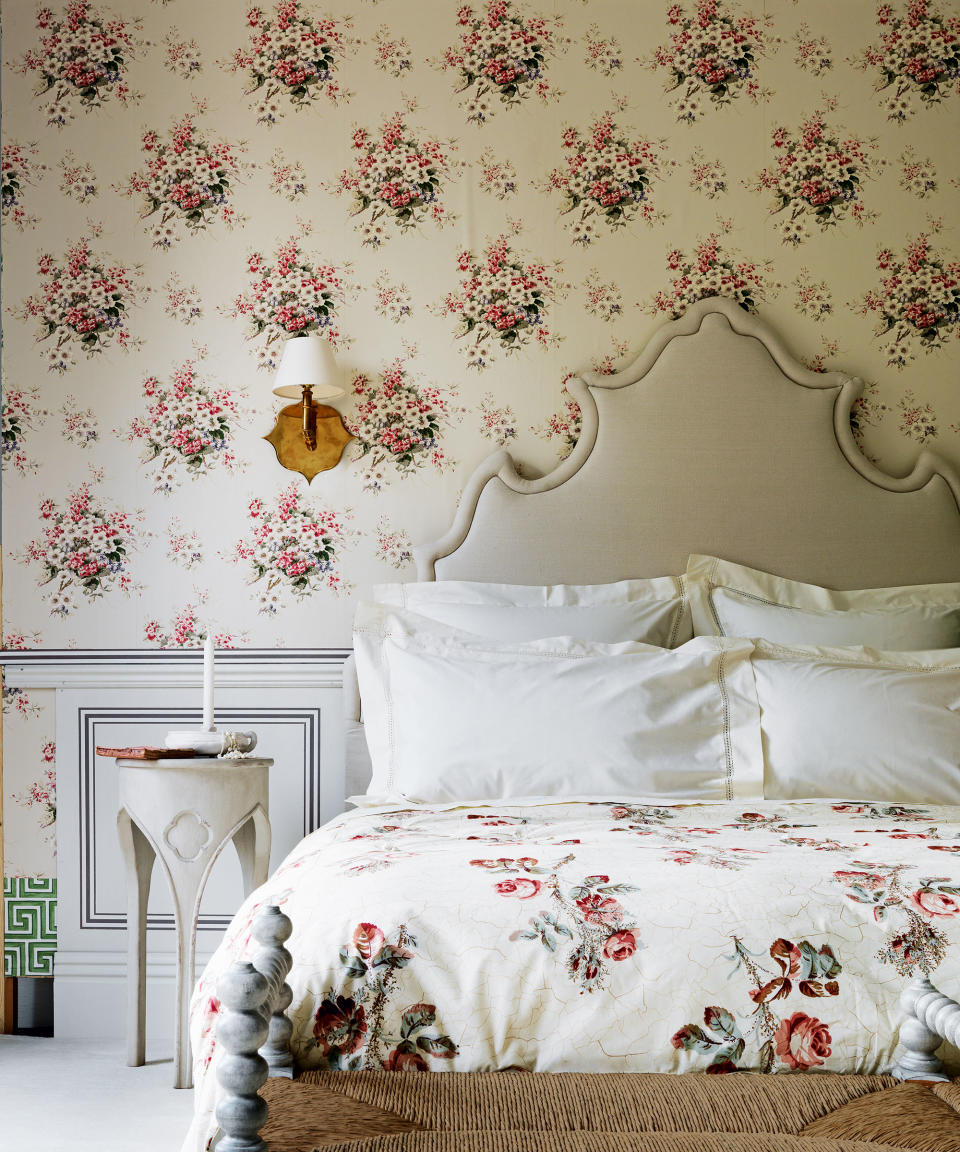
271 929
241 1030
929 1018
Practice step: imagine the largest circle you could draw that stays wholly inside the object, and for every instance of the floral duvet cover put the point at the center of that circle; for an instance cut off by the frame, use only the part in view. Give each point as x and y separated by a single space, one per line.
605 937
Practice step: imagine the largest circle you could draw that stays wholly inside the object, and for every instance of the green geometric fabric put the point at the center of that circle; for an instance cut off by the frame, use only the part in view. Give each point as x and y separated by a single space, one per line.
30 933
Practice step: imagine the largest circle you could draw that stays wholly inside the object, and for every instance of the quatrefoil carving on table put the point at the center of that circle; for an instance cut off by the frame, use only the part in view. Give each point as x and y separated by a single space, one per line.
187 834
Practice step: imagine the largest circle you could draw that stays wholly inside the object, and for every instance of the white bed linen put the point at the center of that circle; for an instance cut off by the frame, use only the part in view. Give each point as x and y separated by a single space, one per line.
608 937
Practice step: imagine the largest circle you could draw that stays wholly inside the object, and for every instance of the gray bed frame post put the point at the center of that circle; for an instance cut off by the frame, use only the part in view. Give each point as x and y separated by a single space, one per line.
929 1018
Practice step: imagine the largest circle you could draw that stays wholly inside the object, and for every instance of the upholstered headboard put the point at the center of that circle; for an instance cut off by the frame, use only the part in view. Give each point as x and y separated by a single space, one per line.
714 440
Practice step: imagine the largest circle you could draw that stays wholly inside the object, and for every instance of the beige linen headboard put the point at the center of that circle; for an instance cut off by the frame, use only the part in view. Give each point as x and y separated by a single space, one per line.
714 440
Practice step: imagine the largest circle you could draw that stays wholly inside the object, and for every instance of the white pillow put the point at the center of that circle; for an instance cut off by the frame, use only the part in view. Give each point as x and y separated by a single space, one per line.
857 724
454 718
652 611
728 599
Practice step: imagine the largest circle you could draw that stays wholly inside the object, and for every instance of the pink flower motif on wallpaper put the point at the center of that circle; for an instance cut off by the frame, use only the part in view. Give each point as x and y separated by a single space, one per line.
19 169
497 177
813 297
867 412
502 303
188 428
603 54
184 546
83 303
918 301
501 56
292 59
83 549
497 423
392 54
181 303
393 545
817 177
565 425
16 702
42 793
83 59
603 297
711 58
187 183
78 425
606 179
181 57
918 420
917 61
21 412
399 424
294 548
186 631
813 53
708 177
392 301
286 179
917 176
397 180
711 271
77 178
290 295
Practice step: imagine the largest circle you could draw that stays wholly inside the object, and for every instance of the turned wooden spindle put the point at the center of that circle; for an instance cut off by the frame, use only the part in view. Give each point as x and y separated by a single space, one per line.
241 1072
929 1018
271 929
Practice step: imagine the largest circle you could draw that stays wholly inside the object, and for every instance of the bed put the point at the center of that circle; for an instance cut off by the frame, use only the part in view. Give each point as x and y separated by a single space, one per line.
615 933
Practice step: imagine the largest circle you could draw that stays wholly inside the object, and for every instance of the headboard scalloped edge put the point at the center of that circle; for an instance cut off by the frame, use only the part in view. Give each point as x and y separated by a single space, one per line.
501 464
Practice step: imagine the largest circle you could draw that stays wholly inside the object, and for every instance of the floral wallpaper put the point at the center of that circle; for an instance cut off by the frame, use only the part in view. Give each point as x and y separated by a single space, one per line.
470 202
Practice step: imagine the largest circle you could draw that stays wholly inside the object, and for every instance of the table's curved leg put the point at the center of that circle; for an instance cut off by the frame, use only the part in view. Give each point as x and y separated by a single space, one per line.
186 906
252 841
138 856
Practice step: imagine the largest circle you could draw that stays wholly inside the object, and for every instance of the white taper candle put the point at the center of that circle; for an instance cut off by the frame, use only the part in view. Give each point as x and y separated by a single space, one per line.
208 683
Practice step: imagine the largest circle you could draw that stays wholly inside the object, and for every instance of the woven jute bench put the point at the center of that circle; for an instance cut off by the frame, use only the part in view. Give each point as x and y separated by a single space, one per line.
515 1112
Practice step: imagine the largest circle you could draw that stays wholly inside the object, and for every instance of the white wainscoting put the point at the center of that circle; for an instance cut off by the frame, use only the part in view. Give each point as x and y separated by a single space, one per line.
291 699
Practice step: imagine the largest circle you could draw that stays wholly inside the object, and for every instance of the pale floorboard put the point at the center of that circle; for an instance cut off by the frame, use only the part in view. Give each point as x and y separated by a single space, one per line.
79 1096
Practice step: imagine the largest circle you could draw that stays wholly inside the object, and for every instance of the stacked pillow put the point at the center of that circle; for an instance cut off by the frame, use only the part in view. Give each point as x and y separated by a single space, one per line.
859 691
483 692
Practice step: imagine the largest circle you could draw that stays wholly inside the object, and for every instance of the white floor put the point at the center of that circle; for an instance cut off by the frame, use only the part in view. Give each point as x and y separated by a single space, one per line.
77 1096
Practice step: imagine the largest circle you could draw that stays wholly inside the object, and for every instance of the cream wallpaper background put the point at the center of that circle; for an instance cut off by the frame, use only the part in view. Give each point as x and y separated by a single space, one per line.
471 204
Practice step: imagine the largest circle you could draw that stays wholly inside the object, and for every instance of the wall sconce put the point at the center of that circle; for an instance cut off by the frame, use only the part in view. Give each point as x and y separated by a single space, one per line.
308 437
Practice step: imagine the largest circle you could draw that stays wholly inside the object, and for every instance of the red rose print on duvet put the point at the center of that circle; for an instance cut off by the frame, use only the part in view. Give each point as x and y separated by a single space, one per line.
357 1026
797 1042
913 909
588 915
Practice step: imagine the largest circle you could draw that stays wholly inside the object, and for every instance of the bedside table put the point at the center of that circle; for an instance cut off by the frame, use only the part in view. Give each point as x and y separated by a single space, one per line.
184 812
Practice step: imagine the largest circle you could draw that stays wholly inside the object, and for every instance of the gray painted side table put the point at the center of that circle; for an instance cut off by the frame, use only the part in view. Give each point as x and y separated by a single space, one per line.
184 812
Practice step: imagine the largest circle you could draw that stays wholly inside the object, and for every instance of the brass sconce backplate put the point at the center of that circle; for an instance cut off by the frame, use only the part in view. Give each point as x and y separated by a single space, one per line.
292 452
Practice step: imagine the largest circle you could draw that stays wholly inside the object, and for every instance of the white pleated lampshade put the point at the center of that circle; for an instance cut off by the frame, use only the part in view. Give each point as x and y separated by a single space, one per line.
307 361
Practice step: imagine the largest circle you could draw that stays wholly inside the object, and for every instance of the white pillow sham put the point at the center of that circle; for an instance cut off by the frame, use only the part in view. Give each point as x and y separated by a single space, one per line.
652 611
728 599
857 724
454 718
